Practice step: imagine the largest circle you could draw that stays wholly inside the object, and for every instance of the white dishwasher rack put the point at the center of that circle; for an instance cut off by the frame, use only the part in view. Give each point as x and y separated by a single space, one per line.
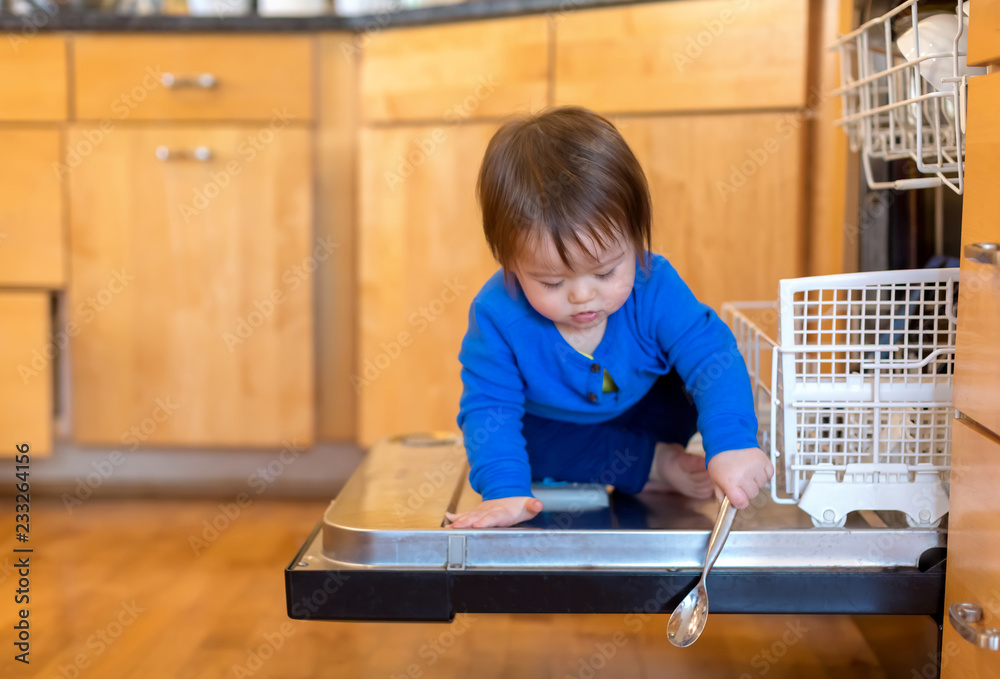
890 112
858 414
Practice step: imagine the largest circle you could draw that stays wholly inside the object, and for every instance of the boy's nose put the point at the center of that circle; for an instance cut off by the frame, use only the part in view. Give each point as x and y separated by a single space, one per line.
581 293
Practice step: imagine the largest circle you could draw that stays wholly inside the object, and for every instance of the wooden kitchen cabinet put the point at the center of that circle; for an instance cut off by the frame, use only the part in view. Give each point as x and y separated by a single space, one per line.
31 229
415 245
973 549
694 55
973 530
727 201
190 288
250 77
977 357
26 369
33 80
422 258
447 74
984 32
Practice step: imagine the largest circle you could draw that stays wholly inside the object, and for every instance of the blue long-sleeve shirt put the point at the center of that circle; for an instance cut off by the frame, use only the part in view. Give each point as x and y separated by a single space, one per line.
515 361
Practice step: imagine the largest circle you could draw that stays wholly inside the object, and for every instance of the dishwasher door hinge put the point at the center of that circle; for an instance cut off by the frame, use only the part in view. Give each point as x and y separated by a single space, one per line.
456 552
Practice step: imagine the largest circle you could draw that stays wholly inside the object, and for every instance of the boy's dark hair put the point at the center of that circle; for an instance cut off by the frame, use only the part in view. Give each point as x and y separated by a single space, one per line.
561 172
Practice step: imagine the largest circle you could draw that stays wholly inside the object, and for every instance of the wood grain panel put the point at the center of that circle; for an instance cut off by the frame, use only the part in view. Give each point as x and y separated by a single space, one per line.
191 288
973 549
336 309
452 73
984 32
25 372
118 77
421 259
31 229
831 182
727 199
33 77
683 56
977 368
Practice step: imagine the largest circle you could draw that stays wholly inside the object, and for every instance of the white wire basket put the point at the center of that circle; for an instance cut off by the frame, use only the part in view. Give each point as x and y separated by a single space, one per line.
854 397
896 108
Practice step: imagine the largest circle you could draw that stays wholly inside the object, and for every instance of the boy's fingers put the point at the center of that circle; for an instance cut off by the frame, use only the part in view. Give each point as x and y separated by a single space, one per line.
739 498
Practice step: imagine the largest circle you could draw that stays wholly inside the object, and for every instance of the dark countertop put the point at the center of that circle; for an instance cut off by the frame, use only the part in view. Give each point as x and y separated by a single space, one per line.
465 11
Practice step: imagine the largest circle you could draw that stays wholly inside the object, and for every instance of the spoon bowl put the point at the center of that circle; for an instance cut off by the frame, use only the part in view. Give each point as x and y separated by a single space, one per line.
688 620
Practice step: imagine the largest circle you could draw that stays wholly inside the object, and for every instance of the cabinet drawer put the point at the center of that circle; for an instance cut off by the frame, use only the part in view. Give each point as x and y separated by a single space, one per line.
213 78
25 372
450 73
31 235
33 78
684 56
977 352
973 549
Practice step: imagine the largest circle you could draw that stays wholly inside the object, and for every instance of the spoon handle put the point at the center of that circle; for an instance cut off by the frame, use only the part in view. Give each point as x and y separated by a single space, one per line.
727 512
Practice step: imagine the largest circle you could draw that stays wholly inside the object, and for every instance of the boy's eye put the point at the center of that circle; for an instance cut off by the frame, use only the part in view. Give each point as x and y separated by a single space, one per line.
608 274
551 285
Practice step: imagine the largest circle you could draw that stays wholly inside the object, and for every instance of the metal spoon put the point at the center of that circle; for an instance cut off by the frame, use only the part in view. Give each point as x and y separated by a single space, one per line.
688 619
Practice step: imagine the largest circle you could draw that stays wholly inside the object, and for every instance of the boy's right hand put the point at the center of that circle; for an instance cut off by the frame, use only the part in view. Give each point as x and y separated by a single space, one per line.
498 513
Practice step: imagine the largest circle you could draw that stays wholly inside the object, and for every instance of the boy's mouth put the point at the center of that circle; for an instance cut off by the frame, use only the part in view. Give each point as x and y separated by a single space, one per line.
585 316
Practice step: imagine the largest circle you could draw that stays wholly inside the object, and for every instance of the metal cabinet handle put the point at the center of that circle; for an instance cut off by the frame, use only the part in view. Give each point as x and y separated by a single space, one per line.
203 81
987 253
963 616
200 153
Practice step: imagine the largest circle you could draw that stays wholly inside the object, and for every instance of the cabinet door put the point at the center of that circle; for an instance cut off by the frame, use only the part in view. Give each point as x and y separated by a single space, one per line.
422 258
973 549
727 199
31 230
190 289
26 352
977 357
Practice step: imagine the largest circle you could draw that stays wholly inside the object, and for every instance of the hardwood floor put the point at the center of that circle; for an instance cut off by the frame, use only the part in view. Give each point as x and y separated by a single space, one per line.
117 590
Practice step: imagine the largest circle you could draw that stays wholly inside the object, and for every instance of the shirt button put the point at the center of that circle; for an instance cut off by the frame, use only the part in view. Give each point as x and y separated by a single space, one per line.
594 368
592 396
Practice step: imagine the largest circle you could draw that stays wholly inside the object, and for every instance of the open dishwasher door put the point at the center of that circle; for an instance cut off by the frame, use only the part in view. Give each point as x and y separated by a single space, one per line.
381 552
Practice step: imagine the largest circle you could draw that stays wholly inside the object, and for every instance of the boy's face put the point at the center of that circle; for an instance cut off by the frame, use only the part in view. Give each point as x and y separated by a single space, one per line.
582 295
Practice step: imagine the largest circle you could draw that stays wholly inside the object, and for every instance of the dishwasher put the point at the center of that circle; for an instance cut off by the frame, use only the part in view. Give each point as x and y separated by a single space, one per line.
382 551
856 417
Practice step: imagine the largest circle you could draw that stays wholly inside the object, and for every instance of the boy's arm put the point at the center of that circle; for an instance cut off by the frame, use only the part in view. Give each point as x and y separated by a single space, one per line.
703 350
492 406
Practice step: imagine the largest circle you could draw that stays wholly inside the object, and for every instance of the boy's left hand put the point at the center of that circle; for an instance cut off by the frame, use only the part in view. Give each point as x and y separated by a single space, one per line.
740 474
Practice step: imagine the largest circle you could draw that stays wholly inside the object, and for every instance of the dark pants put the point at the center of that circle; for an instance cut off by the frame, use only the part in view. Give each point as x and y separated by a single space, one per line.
618 452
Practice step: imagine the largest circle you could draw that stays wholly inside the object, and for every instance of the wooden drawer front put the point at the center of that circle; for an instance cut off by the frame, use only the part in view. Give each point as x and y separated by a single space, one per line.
973 549
33 78
984 32
31 235
25 372
450 73
120 77
684 56
977 357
